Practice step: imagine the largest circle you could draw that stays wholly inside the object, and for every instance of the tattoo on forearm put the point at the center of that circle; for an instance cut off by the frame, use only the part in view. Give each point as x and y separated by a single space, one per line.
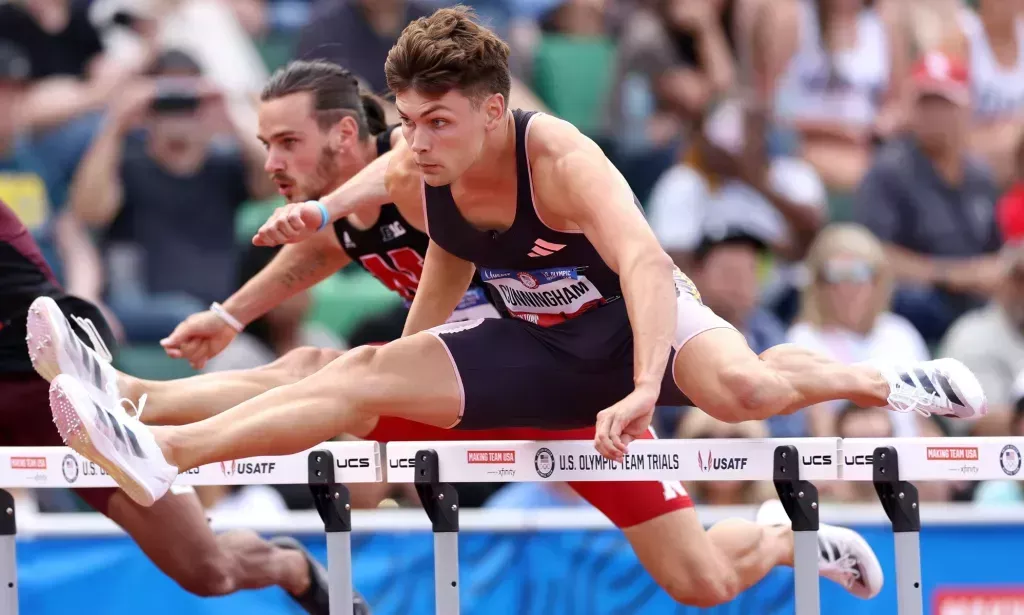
301 271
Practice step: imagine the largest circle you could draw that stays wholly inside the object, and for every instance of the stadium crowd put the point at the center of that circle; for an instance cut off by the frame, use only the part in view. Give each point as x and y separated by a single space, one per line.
846 175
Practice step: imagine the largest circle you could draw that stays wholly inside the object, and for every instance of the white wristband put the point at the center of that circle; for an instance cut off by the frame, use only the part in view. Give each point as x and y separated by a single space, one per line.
223 314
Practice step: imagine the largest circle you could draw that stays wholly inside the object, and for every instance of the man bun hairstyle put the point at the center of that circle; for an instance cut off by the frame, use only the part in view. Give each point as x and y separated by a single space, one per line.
335 91
448 51
376 118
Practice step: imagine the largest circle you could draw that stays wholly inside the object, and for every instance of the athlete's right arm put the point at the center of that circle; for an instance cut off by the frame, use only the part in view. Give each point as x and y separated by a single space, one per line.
445 281
445 277
296 268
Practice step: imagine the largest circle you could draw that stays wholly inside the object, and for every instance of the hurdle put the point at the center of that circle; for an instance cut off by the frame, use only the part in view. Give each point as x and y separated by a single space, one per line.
793 465
434 470
324 468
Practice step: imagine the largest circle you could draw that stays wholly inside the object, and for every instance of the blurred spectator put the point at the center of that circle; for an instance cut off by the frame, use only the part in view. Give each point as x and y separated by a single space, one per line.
22 177
284 328
1010 209
729 175
726 273
995 42
933 206
699 426
1001 492
167 196
990 340
935 26
358 34
35 187
71 74
836 68
844 315
571 62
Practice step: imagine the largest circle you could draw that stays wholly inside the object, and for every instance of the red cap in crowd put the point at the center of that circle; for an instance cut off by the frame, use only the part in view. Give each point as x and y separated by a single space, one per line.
941 75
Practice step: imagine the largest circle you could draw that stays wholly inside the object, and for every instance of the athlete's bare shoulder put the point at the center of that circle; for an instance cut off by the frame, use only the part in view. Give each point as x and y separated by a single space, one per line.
405 185
561 159
552 138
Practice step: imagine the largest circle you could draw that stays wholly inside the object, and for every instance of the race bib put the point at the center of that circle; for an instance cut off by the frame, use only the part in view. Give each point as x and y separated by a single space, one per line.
544 296
474 305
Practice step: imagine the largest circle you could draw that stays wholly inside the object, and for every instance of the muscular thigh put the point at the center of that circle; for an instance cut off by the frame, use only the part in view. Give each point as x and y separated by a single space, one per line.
411 378
173 533
674 548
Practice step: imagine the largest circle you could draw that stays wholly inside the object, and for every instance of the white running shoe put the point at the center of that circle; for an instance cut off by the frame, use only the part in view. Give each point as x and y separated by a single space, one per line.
105 434
843 554
945 387
55 349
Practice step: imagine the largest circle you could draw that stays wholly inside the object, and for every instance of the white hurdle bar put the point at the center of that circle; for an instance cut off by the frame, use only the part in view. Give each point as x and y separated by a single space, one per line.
324 468
791 464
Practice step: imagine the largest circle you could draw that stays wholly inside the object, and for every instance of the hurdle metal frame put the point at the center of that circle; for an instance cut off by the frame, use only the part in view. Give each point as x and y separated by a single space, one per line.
901 504
800 499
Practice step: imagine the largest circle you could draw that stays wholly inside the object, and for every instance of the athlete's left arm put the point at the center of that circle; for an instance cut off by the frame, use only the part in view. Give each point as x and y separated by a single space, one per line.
576 182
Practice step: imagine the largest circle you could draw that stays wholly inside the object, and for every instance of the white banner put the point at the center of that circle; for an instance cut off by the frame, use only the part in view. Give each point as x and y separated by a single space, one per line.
939 459
58 466
577 460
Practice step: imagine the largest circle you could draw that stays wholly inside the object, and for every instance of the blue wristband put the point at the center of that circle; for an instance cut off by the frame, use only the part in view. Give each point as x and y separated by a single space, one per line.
325 216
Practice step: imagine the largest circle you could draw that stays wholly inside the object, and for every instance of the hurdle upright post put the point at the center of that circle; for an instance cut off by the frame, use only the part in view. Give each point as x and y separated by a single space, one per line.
901 504
333 503
441 503
800 499
8 559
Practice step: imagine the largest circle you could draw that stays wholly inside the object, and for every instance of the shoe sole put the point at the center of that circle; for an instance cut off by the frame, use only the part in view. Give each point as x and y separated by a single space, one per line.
74 430
46 336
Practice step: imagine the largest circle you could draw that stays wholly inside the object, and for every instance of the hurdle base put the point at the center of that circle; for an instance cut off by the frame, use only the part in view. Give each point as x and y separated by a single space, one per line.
441 503
800 499
334 505
8 555
901 504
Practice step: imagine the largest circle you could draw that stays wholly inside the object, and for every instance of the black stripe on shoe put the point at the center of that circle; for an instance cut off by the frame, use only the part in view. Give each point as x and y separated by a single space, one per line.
947 388
905 377
95 371
926 383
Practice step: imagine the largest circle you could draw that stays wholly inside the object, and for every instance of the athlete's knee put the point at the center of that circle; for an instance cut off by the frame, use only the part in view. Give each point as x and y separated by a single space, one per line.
305 361
749 391
705 586
208 574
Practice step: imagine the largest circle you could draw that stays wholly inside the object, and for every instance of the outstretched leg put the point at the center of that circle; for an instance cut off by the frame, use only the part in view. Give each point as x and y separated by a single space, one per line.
723 377
189 400
707 568
412 378
174 534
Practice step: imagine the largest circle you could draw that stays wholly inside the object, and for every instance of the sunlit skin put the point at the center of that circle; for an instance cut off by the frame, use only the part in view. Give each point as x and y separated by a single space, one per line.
304 161
451 137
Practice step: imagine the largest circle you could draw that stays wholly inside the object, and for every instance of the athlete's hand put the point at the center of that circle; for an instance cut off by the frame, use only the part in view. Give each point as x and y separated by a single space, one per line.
292 223
198 339
624 422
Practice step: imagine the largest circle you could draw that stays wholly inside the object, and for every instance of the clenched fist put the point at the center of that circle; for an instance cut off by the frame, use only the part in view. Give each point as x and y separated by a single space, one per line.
292 223
198 339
